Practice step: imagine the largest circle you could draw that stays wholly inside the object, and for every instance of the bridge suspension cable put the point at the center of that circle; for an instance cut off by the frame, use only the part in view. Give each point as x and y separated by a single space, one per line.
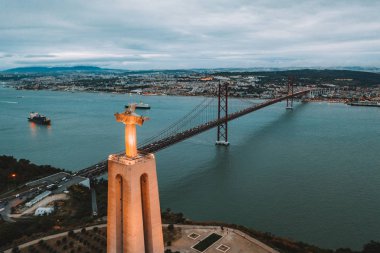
201 113
202 118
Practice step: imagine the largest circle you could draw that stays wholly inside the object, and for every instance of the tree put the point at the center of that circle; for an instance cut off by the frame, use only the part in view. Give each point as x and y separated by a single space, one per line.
344 250
371 247
70 233
15 250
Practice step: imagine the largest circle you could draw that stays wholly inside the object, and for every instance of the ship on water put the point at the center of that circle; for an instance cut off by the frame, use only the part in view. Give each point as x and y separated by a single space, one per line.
365 103
140 105
39 118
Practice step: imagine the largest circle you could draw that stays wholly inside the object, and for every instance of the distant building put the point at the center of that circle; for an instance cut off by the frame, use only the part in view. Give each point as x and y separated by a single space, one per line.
328 85
137 91
222 78
208 78
43 211
85 182
38 198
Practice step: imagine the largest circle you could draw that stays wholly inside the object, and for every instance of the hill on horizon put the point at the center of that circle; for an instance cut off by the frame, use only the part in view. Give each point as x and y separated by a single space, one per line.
88 68
55 69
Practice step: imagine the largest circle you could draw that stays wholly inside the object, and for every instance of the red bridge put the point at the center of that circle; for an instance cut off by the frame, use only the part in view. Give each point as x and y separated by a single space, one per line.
189 125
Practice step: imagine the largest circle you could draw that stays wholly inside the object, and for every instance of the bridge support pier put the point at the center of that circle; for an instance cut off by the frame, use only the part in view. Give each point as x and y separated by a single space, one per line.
289 101
222 132
222 143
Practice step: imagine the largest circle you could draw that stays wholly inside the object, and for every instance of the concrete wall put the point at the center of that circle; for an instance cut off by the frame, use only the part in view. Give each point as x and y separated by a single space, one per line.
134 217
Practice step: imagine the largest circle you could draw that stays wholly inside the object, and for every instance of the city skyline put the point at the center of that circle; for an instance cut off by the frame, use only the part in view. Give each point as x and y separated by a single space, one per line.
192 34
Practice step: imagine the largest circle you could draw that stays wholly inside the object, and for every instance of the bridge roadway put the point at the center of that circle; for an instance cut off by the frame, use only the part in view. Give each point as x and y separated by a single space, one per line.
101 167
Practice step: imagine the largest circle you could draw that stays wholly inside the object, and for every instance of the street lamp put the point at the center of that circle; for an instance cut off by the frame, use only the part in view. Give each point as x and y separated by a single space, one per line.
13 176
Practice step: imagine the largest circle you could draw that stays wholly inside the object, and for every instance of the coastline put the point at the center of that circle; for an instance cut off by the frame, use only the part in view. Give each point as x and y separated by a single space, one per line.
307 100
276 117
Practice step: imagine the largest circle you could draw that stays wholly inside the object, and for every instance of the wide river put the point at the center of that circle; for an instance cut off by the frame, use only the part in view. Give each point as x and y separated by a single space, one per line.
311 174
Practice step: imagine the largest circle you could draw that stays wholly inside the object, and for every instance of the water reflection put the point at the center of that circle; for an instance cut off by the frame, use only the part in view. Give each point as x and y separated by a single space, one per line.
34 128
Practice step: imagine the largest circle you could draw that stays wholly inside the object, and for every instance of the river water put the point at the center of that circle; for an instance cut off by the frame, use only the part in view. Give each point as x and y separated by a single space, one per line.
311 174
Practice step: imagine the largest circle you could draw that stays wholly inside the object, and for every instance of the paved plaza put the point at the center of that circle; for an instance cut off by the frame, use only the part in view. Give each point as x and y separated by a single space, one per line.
232 241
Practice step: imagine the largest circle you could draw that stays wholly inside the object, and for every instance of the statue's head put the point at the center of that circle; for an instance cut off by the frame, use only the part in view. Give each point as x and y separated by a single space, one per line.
131 108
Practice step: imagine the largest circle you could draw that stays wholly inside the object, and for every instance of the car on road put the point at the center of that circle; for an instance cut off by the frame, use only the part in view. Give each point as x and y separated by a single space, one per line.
51 187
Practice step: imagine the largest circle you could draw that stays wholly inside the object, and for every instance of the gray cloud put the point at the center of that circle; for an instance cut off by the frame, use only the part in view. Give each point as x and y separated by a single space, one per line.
138 34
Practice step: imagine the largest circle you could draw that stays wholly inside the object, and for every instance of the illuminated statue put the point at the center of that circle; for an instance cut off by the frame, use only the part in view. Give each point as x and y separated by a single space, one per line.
133 213
130 119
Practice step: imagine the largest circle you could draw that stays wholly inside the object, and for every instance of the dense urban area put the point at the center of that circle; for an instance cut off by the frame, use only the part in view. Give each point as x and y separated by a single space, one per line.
340 85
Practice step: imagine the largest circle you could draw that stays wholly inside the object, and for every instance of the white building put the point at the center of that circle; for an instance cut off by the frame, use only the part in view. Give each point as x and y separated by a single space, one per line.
43 211
86 183
38 198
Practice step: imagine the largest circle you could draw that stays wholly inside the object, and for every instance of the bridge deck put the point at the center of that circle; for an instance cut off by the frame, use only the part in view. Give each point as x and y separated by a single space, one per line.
166 142
101 167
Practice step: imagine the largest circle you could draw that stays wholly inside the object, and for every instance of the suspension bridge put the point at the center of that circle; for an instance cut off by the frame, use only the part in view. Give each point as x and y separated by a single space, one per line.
212 112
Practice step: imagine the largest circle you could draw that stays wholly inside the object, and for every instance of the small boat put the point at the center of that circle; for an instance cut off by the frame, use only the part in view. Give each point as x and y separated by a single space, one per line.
38 118
140 105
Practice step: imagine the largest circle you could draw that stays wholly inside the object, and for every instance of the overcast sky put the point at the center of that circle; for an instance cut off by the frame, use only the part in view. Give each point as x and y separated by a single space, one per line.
172 34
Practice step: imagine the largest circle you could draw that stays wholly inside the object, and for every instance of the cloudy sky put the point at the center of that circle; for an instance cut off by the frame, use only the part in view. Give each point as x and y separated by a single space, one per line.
172 34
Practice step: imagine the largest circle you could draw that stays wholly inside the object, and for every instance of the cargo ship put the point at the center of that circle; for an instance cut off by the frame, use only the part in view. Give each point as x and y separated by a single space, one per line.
140 105
365 103
38 118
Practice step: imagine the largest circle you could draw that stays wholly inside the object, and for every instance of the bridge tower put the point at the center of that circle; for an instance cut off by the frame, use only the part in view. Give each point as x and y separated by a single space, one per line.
222 132
289 101
134 217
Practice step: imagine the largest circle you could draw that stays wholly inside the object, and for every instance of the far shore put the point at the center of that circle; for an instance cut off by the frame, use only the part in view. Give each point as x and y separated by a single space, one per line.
309 100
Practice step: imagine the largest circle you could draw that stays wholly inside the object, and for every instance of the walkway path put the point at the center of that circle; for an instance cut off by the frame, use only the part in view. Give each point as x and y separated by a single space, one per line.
53 236
232 238
236 240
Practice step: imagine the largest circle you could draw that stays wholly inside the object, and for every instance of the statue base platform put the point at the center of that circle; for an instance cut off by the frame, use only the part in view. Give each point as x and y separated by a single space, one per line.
134 217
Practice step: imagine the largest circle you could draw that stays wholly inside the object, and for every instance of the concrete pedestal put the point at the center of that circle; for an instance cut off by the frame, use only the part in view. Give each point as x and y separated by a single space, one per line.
134 217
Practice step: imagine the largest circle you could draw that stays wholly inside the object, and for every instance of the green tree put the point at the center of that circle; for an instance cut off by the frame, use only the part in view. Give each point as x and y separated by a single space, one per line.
344 250
371 247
